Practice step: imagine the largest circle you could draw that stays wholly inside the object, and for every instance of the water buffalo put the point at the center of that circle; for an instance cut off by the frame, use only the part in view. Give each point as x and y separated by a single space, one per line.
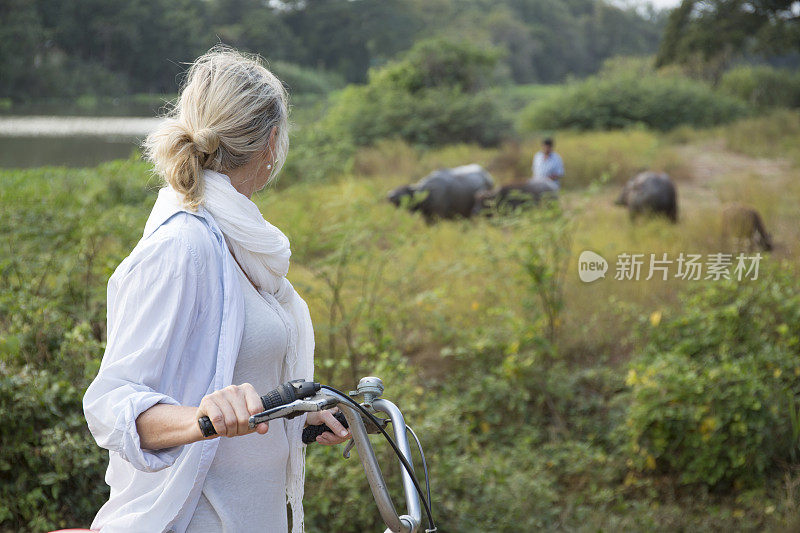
445 193
650 192
743 224
511 197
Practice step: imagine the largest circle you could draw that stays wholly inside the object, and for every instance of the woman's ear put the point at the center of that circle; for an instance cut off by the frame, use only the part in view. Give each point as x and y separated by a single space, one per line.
271 145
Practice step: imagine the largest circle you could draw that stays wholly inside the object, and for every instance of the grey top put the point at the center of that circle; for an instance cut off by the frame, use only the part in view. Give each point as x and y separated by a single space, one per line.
245 489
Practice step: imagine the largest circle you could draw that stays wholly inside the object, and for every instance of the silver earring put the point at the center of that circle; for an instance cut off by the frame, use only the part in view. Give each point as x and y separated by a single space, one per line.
269 166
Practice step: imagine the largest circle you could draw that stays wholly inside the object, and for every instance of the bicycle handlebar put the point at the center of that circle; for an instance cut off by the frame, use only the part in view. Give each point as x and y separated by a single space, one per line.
281 395
296 397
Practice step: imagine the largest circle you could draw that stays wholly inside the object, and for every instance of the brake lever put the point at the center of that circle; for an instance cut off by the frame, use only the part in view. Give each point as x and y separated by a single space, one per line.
347 448
292 410
371 428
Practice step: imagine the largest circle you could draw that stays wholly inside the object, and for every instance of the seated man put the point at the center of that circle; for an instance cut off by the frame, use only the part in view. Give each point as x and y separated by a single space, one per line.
548 169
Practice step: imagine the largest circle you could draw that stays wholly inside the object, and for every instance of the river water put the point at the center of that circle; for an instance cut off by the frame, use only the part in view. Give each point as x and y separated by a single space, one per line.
73 141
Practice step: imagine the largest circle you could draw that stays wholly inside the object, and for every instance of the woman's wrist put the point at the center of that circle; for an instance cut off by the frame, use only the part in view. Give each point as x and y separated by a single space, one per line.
166 426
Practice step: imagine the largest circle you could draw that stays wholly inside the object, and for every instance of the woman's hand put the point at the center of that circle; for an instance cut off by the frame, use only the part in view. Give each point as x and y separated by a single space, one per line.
340 433
230 408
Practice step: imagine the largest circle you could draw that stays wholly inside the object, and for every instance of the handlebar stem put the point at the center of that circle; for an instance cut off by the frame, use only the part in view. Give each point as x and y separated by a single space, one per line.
372 469
401 439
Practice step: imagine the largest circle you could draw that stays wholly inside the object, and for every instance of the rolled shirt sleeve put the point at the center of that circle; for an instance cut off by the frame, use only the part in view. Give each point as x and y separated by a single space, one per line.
152 309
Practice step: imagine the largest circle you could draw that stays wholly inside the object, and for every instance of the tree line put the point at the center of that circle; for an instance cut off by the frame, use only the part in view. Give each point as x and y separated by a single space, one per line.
50 48
707 36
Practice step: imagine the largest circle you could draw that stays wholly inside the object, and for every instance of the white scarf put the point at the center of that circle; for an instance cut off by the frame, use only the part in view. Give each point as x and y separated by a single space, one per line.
262 252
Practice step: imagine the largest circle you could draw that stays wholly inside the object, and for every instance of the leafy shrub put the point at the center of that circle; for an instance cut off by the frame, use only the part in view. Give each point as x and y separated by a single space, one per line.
70 230
435 95
436 63
305 80
612 103
513 98
51 470
431 117
711 425
763 86
317 155
711 397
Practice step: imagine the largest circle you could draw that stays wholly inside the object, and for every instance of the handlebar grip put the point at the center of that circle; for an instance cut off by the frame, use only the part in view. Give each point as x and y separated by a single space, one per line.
281 395
311 433
206 427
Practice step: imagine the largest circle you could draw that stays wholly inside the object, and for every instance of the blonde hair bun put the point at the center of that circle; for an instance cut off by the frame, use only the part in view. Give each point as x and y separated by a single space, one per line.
229 106
206 141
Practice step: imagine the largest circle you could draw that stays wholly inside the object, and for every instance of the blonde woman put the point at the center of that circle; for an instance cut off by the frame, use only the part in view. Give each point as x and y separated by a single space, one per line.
201 318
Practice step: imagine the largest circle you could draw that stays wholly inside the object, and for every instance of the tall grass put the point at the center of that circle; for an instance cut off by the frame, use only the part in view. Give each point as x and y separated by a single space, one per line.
589 158
772 135
465 254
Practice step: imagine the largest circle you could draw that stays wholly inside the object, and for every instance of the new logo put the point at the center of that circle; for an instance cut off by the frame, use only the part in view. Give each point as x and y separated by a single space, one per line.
591 266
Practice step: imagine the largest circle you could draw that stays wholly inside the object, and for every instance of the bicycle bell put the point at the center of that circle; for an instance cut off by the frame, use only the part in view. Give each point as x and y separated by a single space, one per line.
371 387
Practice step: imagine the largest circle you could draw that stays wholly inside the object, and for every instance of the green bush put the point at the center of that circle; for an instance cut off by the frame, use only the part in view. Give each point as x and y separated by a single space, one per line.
714 398
435 95
611 103
71 228
51 470
303 80
763 86
316 155
431 117
711 425
441 62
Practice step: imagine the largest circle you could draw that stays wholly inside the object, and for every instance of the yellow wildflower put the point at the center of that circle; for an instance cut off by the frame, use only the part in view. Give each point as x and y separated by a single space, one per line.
655 318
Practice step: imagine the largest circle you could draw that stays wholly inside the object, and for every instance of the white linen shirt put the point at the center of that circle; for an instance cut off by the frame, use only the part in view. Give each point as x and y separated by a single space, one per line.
175 323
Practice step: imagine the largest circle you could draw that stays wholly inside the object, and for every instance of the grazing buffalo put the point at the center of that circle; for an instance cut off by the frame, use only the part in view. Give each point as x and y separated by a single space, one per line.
445 193
510 197
743 224
650 192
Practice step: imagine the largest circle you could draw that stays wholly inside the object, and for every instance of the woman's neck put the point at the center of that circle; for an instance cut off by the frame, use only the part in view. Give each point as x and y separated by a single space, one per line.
250 177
